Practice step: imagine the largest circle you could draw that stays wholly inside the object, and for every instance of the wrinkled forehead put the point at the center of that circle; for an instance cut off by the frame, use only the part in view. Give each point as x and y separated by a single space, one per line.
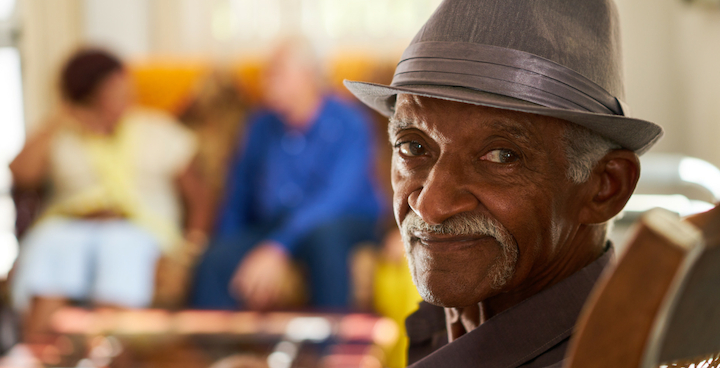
431 114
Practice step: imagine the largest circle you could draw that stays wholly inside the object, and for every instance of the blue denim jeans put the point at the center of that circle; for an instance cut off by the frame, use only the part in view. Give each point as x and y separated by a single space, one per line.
324 253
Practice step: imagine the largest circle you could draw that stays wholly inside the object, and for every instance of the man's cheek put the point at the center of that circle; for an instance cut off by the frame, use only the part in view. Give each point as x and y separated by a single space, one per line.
400 204
419 269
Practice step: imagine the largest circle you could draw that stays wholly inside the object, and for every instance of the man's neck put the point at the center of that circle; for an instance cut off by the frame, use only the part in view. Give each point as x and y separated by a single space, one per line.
578 255
305 112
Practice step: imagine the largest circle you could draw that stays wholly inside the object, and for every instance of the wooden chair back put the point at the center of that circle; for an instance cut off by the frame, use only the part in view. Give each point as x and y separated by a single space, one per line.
660 302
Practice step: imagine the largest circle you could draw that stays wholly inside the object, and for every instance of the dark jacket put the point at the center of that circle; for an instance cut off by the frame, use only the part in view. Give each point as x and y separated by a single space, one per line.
534 333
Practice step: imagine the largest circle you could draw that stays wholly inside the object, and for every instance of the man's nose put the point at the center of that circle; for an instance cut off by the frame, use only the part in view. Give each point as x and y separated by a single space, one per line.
445 193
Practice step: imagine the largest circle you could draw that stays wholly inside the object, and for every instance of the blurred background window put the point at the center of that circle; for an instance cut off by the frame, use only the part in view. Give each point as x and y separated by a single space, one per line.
6 8
12 128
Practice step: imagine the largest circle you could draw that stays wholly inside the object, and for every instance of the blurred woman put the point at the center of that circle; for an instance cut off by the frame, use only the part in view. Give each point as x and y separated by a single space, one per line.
117 176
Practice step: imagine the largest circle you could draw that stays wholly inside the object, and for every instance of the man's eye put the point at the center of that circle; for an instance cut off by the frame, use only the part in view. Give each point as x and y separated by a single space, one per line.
501 156
411 148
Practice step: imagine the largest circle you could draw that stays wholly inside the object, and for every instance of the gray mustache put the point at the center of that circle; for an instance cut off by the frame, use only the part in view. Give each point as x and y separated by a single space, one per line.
460 225
469 224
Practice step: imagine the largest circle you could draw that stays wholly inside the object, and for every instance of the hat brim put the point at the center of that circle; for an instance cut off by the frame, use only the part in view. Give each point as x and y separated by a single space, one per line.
630 133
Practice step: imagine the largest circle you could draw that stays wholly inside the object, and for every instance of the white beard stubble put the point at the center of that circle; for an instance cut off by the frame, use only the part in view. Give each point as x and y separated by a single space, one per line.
503 267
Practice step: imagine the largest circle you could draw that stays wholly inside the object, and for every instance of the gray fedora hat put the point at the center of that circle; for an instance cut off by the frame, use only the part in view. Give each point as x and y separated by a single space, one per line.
558 58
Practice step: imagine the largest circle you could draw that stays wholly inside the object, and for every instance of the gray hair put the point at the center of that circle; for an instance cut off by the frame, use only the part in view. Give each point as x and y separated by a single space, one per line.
300 51
583 149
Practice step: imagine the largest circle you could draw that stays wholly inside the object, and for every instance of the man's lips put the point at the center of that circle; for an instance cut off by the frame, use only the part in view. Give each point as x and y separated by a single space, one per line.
445 243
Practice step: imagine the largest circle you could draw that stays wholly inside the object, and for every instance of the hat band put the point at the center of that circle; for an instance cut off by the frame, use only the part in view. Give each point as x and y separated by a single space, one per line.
503 71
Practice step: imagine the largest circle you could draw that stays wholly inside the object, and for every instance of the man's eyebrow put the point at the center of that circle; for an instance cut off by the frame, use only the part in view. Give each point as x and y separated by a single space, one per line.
516 130
395 125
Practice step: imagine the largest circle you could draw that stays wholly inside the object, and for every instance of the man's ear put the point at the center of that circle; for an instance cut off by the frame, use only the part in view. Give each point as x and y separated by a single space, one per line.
610 185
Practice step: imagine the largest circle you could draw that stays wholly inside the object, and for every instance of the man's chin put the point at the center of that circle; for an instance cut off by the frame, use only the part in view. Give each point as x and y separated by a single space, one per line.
452 296
449 282
450 301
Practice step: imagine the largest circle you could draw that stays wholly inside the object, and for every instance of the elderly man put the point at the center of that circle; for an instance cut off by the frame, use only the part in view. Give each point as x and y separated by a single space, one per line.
301 188
513 150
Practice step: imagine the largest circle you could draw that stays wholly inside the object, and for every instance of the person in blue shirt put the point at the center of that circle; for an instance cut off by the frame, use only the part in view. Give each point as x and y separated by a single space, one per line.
301 188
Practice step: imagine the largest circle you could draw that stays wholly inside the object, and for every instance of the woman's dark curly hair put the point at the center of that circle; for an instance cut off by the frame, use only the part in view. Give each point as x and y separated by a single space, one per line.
84 72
